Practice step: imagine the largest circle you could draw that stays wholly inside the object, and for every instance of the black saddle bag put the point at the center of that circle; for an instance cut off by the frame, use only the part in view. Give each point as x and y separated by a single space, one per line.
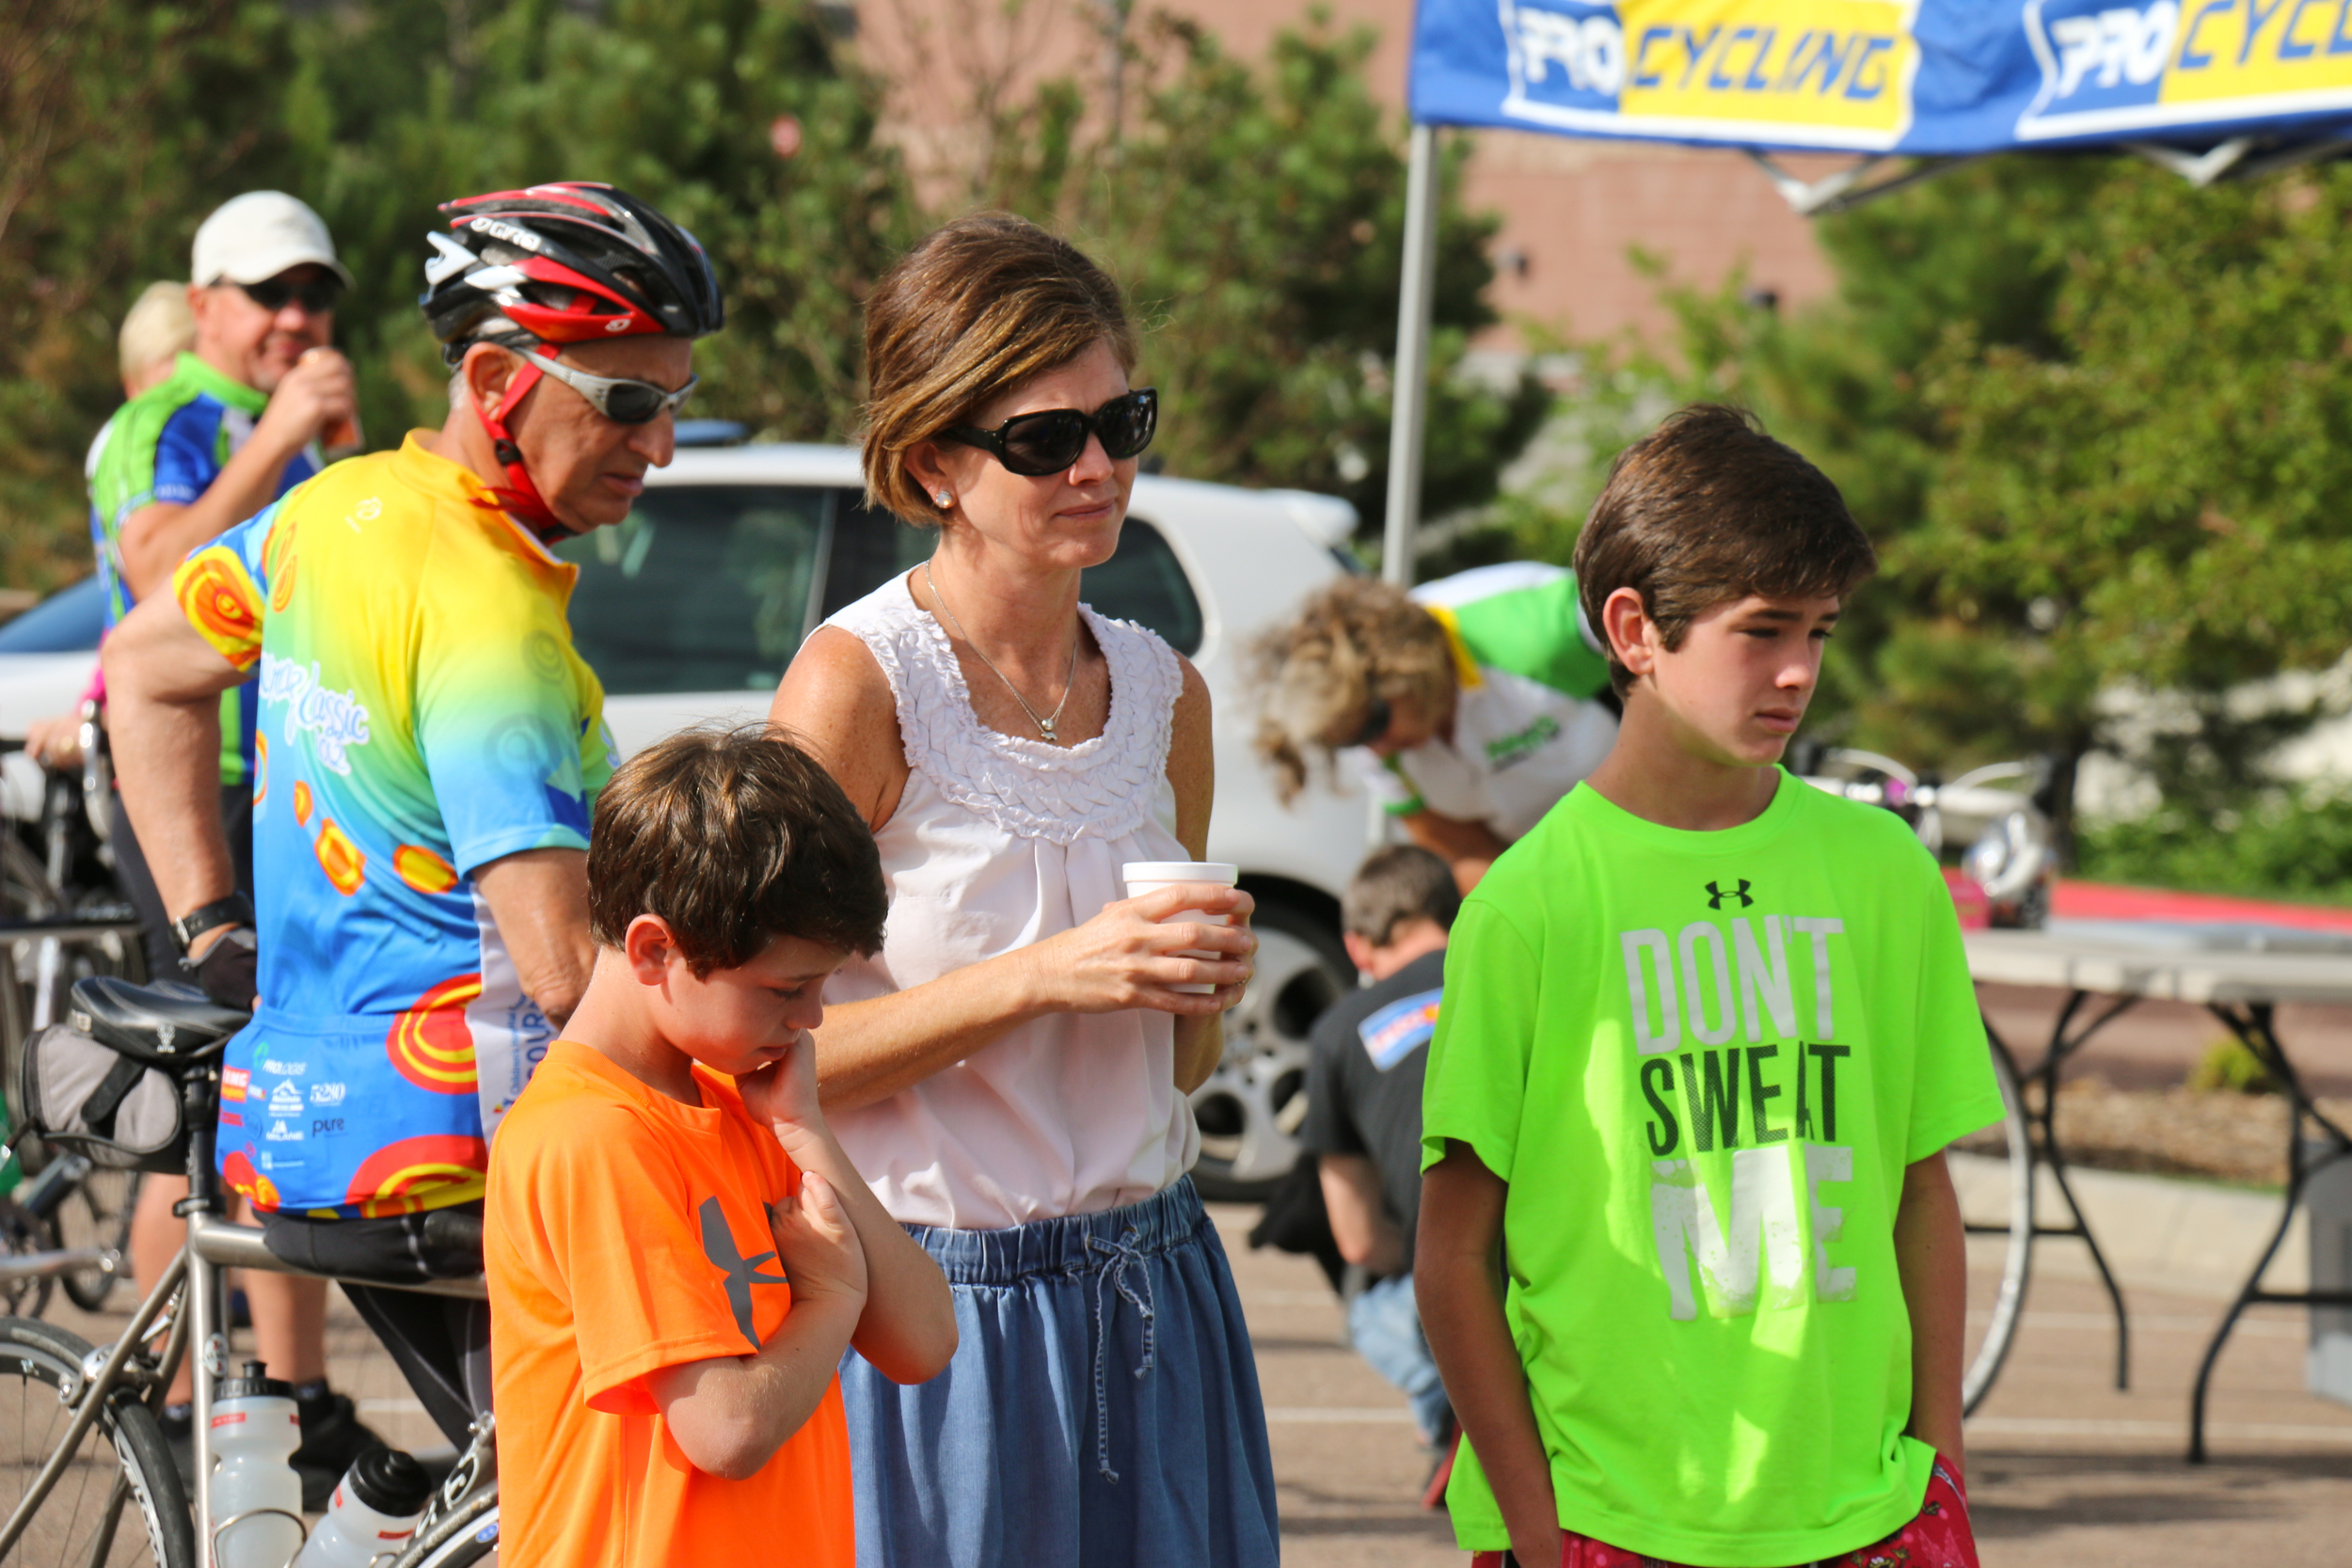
106 1082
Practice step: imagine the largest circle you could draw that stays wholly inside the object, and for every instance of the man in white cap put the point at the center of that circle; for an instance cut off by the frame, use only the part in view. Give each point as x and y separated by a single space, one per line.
236 424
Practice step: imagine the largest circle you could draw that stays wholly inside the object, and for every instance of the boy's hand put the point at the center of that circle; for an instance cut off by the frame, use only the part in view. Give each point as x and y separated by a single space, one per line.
783 1094
819 1245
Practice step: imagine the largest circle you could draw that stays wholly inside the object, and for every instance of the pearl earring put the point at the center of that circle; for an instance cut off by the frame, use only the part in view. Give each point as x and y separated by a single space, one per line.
943 499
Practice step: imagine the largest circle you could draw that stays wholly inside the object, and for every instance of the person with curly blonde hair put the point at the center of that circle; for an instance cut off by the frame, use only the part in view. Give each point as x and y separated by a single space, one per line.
1468 705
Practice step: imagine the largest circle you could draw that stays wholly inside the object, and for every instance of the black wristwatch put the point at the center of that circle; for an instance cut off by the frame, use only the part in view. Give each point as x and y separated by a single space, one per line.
235 910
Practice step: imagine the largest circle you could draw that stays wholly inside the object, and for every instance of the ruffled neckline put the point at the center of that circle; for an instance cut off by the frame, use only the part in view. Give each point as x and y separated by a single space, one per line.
1103 786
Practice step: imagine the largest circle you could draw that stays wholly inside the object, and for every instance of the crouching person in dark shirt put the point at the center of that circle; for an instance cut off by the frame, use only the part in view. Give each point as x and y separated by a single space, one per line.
1363 1116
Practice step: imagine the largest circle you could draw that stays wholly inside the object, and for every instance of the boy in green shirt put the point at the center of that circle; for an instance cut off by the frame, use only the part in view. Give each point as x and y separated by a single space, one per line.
1688 1257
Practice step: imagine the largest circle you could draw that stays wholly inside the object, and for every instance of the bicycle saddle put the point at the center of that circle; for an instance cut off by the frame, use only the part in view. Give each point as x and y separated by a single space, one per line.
165 1022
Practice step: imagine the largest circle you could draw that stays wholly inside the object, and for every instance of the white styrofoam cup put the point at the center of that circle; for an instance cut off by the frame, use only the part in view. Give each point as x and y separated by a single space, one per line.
1143 876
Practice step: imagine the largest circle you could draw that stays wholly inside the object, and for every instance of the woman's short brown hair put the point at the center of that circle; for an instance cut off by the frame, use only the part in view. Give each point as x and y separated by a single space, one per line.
975 310
733 838
1707 509
1317 674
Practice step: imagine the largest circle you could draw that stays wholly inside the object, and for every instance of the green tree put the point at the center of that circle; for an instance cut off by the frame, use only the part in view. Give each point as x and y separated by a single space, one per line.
123 122
115 119
2093 419
1255 213
677 101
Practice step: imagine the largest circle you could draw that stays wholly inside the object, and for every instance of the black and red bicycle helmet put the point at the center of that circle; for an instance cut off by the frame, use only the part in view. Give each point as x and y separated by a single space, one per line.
535 269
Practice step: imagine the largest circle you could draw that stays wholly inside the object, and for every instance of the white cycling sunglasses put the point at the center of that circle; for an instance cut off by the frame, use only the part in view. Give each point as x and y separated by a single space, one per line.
622 401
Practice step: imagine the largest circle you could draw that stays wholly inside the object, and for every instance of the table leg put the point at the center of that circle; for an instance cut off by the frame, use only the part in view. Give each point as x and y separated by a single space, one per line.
2254 1027
2047 1149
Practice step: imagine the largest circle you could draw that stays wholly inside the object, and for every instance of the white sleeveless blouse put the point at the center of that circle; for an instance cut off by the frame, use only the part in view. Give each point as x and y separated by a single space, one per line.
999 842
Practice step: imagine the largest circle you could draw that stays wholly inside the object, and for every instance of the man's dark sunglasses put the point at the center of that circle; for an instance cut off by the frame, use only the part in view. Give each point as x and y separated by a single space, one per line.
318 297
1052 439
1375 724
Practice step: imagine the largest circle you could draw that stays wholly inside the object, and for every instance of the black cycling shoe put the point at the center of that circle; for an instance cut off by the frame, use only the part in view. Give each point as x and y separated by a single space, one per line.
332 1438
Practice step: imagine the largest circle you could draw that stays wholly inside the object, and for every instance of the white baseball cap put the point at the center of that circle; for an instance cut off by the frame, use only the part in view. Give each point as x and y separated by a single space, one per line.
258 235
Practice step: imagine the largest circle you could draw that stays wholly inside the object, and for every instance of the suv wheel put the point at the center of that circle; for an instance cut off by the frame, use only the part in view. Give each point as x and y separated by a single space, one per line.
1252 1107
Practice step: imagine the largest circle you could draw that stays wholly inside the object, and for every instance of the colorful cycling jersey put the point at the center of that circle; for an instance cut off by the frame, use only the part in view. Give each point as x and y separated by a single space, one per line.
168 444
422 714
1527 725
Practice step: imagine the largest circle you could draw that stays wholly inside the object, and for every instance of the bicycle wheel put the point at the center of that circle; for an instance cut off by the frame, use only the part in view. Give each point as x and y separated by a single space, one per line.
467 1536
97 1213
1994 1174
22 1232
119 1501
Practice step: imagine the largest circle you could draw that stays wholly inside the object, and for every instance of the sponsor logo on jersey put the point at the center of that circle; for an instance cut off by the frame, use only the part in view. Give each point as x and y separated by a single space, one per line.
280 1133
337 721
1398 1029
285 1101
1508 751
327 1093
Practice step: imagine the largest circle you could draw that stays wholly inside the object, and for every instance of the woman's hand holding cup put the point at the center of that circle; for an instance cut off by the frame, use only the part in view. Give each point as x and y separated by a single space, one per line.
1182 948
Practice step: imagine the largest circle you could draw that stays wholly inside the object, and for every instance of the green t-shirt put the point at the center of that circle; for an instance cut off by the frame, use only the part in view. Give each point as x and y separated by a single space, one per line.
1702 1061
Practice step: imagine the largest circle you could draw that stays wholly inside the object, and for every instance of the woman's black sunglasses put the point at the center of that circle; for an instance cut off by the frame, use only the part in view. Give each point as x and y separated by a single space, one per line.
274 293
1049 441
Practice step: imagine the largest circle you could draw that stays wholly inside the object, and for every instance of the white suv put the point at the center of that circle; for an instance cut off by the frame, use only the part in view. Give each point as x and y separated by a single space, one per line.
691 608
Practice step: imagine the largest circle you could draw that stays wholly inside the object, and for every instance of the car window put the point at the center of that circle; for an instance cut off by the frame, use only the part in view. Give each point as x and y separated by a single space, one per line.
702 588
1144 582
68 621
869 548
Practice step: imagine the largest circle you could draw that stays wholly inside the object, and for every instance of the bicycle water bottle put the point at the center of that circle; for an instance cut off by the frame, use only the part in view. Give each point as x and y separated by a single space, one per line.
375 1510
257 1498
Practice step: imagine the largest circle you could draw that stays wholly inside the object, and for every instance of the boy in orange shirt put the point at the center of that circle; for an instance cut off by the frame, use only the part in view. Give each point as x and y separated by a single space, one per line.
678 1252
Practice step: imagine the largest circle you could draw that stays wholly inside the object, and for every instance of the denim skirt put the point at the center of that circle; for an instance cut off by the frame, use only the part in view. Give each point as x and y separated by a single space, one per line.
1101 1408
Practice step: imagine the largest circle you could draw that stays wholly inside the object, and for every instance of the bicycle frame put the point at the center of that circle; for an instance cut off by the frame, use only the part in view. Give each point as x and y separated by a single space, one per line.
193 1291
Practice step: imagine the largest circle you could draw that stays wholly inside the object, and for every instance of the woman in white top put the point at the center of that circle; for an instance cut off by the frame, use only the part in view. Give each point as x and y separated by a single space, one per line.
1011 1072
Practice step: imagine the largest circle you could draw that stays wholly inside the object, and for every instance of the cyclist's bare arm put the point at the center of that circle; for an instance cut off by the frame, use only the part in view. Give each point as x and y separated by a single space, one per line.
1469 847
158 536
164 683
539 898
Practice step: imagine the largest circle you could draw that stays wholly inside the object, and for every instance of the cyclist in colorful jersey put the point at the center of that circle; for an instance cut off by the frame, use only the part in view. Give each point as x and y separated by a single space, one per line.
234 425
234 422
1470 704
430 747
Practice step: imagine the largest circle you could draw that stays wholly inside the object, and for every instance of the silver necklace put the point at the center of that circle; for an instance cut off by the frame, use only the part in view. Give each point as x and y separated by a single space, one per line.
1044 722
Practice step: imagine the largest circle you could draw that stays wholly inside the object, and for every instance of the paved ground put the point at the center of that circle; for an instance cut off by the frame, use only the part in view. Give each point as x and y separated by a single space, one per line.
2067 1472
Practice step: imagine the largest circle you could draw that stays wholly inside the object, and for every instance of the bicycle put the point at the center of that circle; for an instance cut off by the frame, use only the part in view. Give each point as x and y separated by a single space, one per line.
1999 846
88 1447
61 920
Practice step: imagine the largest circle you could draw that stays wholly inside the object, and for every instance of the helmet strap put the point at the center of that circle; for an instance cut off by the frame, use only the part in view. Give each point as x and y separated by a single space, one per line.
520 497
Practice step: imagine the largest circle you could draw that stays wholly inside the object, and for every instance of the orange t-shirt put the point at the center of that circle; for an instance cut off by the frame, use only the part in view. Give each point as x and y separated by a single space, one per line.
625 1233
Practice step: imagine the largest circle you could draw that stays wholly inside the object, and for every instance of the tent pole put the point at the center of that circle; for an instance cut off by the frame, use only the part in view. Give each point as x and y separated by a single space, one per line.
1410 413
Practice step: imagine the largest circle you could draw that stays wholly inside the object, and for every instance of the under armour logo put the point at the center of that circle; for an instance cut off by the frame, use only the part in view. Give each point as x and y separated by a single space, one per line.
1715 895
740 1272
